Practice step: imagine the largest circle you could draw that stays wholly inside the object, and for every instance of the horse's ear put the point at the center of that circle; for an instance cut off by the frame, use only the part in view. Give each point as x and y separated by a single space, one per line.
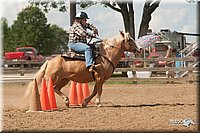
122 33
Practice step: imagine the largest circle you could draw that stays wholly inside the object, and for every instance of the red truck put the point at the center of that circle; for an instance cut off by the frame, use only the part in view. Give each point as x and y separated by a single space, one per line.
24 53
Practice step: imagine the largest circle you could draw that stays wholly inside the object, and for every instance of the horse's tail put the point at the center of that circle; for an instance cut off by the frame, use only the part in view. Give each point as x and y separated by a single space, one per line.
39 75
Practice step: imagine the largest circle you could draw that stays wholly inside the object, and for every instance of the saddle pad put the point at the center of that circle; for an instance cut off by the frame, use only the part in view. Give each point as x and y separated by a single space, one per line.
73 55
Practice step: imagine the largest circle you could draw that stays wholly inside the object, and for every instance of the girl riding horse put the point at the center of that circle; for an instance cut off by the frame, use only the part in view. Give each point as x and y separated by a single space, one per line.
78 39
62 70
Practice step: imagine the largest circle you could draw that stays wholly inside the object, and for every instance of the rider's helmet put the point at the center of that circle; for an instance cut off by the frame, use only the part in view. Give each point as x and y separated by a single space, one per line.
82 15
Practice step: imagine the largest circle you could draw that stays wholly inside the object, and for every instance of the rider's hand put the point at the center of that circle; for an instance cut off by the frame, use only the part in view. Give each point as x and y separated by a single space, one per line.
95 31
93 35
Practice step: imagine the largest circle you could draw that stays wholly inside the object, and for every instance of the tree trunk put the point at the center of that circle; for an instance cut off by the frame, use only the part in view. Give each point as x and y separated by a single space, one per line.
72 11
125 15
126 9
148 9
128 17
131 20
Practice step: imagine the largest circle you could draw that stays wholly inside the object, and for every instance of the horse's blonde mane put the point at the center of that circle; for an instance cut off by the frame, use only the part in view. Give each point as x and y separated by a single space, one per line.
110 42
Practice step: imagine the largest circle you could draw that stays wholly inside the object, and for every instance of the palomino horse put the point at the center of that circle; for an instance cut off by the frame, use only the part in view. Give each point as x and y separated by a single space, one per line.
63 70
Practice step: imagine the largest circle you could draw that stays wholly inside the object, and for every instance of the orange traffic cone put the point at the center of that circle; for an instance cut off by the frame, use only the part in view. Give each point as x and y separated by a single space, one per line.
35 104
51 94
73 94
86 92
80 93
44 97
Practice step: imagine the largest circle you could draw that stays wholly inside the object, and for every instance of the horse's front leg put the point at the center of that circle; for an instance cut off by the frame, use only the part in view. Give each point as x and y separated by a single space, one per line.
98 99
97 87
87 100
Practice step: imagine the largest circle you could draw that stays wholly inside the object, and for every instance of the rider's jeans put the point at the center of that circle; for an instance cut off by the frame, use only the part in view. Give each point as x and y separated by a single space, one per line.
83 48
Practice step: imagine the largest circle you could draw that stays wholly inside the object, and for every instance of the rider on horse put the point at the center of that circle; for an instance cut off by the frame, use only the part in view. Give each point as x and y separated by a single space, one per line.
78 39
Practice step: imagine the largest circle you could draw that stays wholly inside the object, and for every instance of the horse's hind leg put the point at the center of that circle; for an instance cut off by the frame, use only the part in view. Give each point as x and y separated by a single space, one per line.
58 86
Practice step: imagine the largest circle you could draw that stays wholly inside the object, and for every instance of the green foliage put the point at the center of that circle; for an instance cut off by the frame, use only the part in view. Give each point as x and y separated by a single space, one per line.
60 40
31 29
47 5
86 4
6 35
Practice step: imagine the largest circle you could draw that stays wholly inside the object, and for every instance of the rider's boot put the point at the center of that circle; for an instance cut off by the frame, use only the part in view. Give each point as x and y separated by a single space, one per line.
94 73
93 68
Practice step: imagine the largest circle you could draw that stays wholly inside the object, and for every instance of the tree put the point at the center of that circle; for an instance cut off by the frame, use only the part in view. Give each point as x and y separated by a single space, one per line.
60 39
125 8
6 35
61 5
127 12
31 29
148 9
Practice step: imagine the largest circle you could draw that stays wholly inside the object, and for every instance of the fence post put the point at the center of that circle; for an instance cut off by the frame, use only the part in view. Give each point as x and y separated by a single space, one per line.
22 71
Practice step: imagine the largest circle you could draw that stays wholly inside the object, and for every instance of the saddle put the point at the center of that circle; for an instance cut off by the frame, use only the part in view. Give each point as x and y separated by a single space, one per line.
70 54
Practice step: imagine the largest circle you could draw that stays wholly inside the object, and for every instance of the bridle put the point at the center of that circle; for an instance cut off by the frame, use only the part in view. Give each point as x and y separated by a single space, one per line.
121 49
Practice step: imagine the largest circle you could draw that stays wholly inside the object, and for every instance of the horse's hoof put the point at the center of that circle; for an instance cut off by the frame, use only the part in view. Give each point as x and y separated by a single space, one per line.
67 104
84 105
99 105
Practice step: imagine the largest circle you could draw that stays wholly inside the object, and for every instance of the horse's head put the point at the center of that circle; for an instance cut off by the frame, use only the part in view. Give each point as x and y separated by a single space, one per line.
129 44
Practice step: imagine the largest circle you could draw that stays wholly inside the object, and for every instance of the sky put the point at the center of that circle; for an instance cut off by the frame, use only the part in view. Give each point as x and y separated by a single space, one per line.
178 16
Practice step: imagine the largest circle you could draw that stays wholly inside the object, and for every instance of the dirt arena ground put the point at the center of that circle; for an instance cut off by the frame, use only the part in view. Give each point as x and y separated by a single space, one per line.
125 107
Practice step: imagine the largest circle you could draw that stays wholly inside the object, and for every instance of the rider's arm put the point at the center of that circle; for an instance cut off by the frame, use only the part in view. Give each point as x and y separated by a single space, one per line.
81 32
90 26
93 28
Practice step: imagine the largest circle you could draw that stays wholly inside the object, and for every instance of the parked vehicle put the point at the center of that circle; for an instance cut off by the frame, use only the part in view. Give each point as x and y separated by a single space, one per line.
24 53
161 49
157 63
